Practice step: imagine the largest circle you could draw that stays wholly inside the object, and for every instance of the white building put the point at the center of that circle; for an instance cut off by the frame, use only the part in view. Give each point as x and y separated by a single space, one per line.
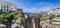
54 11
7 6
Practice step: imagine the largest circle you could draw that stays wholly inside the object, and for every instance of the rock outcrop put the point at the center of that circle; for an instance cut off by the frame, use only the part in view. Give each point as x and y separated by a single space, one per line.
17 24
2 26
56 23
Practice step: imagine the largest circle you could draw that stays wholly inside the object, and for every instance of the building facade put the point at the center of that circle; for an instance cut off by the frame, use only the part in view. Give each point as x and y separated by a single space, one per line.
54 11
7 6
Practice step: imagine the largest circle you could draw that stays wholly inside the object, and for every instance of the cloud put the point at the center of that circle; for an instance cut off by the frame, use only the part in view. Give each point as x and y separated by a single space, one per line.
45 8
30 10
41 6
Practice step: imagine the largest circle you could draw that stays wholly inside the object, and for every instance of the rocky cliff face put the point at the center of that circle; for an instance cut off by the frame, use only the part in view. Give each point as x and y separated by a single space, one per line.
17 24
54 24
2 26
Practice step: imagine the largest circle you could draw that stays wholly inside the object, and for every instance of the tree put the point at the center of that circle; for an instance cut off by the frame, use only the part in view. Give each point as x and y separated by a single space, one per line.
58 15
51 17
6 18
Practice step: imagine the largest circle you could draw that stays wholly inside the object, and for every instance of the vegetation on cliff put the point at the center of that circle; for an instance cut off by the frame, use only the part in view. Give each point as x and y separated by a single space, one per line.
6 18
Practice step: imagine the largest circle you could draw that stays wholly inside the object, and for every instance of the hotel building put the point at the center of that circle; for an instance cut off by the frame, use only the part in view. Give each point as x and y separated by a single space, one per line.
7 7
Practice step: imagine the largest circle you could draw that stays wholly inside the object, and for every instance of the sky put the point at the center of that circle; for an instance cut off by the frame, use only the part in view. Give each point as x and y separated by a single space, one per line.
33 6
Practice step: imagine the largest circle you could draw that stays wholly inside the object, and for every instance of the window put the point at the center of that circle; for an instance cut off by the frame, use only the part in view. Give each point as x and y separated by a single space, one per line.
7 9
4 9
1 6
